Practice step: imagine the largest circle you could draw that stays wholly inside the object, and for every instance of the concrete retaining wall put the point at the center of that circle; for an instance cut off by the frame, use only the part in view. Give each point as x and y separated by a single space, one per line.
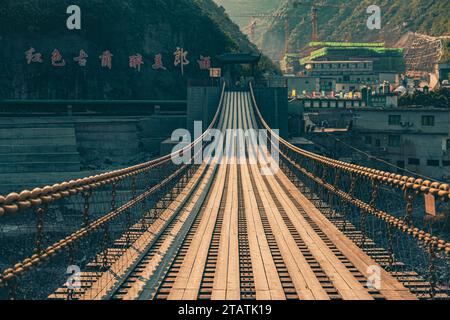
37 151
273 105
202 105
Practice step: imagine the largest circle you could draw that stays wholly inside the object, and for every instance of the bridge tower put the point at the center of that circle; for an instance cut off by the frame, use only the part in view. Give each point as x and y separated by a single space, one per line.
203 96
229 63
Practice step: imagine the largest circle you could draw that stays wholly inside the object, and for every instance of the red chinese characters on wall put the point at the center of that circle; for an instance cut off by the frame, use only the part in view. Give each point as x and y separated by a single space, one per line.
158 63
32 56
181 59
106 59
82 58
204 63
135 61
57 59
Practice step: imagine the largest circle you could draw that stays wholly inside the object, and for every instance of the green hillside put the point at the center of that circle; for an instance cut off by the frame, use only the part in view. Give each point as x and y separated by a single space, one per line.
125 28
346 21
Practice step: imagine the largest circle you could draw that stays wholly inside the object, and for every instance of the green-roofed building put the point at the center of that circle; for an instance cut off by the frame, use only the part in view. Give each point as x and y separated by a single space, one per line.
342 66
384 59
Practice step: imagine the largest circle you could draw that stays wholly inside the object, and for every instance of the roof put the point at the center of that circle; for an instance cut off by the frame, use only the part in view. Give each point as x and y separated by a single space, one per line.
238 58
353 52
347 44
406 109
339 61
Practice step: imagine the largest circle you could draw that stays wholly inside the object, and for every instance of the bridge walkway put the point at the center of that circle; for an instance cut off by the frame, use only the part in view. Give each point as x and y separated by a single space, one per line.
236 232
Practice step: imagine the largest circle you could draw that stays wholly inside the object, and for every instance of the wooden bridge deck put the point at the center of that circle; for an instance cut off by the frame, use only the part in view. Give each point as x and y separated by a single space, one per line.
251 236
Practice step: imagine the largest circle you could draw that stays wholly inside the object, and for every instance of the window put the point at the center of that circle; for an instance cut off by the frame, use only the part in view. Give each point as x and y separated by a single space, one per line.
427 121
414 162
448 144
446 163
433 163
395 120
377 143
394 141
401 165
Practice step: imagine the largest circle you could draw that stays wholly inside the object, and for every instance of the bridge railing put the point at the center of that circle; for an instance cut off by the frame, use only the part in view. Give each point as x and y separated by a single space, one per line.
45 230
384 207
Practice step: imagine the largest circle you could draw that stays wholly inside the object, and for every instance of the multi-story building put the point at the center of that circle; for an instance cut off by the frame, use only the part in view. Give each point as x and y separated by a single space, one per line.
417 139
382 98
342 75
297 85
348 67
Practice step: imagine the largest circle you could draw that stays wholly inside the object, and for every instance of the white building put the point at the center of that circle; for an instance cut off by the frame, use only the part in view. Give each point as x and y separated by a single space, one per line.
417 139
347 75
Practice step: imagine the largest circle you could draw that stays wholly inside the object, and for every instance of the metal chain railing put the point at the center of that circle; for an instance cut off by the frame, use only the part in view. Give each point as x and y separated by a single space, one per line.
81 217
411 187
364 194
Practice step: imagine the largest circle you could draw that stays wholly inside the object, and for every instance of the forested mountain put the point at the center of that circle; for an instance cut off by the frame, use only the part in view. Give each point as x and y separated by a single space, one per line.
125 28
340 20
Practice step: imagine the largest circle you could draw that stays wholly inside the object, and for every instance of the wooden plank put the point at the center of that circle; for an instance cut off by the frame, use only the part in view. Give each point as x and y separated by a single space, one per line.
267 282
391 288
220 277
266 278
108 279
219 290
187 283
146 273
343 280
233 276
307 285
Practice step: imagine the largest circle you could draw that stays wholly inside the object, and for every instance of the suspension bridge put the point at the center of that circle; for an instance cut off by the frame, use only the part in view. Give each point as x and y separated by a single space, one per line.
224 229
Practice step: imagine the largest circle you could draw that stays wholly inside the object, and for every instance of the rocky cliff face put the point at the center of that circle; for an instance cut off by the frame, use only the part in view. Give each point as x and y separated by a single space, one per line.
125 28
